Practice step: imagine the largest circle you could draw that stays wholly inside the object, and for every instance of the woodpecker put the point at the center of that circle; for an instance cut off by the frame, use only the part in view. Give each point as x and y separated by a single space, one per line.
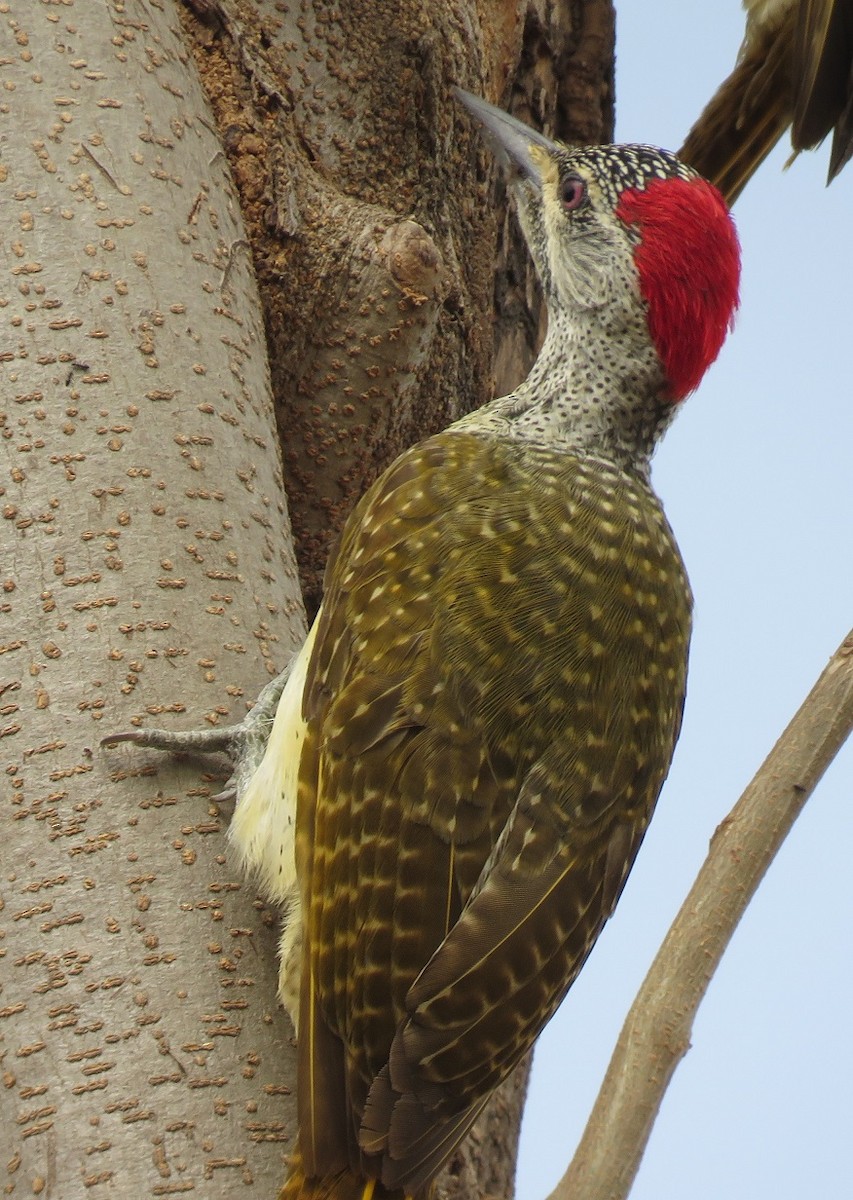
471 743
469 747
795 68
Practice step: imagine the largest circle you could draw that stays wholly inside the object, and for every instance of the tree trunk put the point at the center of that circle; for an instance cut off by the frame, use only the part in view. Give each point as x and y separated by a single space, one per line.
147 571
147 561
371 206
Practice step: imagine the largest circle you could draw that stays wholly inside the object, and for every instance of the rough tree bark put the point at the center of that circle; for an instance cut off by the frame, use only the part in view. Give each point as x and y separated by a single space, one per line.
371 209
147 564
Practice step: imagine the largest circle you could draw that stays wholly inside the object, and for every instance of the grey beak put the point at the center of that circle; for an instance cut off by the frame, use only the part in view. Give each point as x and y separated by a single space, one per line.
509 138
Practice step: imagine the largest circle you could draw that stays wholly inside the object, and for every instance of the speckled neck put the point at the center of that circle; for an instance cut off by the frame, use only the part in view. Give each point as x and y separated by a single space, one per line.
597 386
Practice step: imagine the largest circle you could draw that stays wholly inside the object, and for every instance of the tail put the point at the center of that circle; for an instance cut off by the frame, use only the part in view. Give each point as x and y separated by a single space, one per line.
342 1186
794 70
744 120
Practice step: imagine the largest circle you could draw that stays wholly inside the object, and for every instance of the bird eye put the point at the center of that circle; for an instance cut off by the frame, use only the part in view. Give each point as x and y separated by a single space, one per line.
572 192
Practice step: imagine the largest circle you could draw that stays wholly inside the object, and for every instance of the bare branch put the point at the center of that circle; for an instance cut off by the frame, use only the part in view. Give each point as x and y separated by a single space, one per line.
656 1033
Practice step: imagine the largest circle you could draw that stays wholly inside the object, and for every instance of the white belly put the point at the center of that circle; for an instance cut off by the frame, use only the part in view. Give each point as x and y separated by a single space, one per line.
263 827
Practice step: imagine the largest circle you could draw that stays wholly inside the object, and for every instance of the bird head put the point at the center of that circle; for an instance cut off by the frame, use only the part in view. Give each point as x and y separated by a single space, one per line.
620 229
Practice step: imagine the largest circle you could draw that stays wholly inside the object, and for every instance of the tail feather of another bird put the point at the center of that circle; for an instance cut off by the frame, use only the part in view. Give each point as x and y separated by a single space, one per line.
744 120
795 69
823 50
842 141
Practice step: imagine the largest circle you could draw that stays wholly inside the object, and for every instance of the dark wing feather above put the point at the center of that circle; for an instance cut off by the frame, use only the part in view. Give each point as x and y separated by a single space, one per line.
748 113
823 69
492 703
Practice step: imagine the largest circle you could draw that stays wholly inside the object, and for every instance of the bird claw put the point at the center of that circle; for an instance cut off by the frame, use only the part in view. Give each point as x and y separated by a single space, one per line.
244 744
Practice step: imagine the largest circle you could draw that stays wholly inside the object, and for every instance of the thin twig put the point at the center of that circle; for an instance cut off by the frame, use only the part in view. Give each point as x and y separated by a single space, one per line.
656 1033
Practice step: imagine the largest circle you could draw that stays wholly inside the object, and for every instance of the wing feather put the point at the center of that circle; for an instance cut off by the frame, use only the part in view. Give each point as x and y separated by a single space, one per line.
486 737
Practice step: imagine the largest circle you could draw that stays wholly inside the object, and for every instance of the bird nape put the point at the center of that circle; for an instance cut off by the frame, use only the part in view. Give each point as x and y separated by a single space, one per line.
475 735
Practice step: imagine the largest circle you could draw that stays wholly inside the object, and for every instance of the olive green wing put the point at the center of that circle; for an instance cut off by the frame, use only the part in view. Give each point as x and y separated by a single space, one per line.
491 705
400 801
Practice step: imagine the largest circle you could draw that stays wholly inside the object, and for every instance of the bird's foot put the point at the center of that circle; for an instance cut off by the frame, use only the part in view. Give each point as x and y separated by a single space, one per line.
243 744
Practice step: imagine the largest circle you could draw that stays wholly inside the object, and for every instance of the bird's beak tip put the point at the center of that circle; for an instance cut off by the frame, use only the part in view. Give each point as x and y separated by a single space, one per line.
513 141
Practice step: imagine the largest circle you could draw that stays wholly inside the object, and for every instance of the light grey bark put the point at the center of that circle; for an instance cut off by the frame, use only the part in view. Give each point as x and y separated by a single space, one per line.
146 575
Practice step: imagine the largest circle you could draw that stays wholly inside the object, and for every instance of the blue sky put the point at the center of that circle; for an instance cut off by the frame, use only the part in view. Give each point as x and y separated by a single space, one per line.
757 478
